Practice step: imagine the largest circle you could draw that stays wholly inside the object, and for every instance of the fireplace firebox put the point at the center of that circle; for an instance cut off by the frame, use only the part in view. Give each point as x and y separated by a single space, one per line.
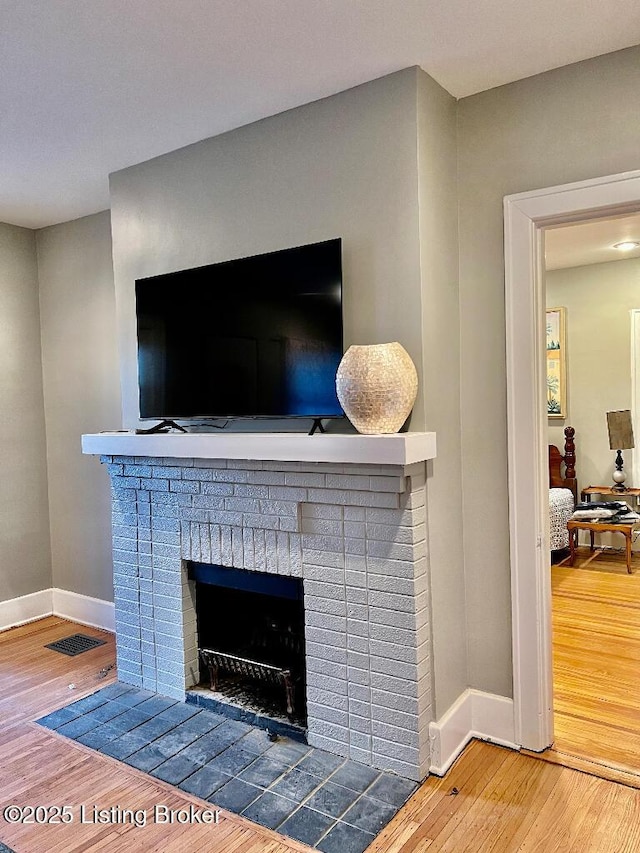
251 640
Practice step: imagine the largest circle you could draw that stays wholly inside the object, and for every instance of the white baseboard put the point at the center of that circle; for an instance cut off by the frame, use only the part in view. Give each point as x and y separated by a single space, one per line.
25 608
57 602
84 609
473 715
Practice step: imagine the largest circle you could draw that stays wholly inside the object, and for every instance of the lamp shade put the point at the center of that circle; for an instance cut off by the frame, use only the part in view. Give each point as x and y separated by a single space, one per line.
620 430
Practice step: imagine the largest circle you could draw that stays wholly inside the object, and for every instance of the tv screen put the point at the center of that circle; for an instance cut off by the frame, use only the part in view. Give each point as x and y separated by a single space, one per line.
255 337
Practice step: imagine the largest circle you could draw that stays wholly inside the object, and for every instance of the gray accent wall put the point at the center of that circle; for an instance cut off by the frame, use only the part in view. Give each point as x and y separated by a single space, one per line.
81 395
343 167
438 223
25 562
571 124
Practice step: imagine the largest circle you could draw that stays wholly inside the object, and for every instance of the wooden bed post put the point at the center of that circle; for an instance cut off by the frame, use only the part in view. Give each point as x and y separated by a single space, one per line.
569 453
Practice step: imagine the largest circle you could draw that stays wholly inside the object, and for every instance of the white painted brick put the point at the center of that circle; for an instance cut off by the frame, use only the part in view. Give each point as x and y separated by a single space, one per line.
217 489
225 545
270 551
327 496
391 568
326 667
304 479
259 550
315 562
317 604
317 542
231 476
373 499
357 628
354 546
155 485
205 544
354 529
260 521
165 472
322 526
321 635
282 549
394 651
359 646
399 669
393 517
348 481
321 742
392 634
329 653
354 513
295 555
388 600
251 505
209 463
360 692
356 595
394 717
329 730
214 535
355 580
357 611
328 714
290 524
247 543
287 493
267 478
392 618
401 768
360 725
359 676
388 484
399 686
395 734
315 619
237 548
391 584
328 687
203 475
244 490
310 510
390 749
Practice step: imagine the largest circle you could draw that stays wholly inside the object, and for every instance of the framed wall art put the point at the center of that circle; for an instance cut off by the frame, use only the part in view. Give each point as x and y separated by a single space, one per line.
556 363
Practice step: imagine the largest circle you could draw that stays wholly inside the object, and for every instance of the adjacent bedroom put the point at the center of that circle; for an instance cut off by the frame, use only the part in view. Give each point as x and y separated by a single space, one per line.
592 279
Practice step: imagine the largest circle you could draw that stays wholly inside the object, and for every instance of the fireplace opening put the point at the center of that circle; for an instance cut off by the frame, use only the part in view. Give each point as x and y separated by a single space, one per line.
251 641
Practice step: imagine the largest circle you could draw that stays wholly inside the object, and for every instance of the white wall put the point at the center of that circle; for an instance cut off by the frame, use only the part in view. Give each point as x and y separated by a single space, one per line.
25 562
566 125
81 394
598 299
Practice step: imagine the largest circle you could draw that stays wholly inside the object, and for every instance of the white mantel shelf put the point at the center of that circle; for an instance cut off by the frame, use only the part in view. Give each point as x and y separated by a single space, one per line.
399 449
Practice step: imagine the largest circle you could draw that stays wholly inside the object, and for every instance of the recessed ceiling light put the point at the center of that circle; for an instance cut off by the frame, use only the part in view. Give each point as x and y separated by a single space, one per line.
626 245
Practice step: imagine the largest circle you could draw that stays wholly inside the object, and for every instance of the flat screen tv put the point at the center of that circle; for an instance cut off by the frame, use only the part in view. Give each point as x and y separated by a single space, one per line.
255 337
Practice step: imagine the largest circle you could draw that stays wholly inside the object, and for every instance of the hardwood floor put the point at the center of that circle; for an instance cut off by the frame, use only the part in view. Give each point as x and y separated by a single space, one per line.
596 662
492 801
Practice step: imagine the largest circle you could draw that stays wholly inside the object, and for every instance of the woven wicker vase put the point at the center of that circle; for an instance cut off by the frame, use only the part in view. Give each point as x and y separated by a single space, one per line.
377 387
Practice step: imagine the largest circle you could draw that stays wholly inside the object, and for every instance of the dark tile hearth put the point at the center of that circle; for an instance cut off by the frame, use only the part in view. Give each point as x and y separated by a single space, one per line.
327 802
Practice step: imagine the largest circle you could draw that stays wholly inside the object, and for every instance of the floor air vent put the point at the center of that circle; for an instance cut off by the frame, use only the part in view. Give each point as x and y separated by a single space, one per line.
75 645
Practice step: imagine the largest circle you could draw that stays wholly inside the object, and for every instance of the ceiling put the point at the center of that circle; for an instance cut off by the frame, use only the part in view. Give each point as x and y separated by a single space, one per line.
591 242
88 87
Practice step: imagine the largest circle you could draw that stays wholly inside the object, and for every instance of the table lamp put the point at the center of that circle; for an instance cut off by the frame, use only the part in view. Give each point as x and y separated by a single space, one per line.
620 438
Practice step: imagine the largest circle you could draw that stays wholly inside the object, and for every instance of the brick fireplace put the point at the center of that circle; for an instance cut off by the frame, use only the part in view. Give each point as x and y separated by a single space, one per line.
355 532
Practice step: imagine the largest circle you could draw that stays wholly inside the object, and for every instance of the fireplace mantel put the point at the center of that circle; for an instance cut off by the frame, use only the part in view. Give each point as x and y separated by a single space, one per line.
398 449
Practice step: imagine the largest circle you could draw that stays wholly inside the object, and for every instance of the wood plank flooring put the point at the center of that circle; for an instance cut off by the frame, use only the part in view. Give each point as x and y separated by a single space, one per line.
596 661
493 800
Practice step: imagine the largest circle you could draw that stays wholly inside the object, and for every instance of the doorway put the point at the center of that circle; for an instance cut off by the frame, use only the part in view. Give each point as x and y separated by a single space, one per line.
592 283
526 215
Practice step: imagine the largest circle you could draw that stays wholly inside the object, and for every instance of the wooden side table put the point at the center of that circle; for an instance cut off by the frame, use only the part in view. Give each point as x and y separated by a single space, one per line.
627 529
585 494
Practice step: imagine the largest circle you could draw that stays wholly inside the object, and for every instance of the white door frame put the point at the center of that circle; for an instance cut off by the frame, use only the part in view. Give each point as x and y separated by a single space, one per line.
525 217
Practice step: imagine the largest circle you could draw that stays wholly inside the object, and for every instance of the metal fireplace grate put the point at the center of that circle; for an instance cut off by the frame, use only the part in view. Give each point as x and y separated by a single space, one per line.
75 645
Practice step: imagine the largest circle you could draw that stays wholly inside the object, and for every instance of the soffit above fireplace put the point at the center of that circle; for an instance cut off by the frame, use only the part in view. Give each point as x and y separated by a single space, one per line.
398 449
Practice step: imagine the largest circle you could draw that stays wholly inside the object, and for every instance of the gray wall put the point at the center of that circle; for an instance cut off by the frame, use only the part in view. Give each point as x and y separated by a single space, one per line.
598 299
343 167
81 394
25 562
438 218
571 124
